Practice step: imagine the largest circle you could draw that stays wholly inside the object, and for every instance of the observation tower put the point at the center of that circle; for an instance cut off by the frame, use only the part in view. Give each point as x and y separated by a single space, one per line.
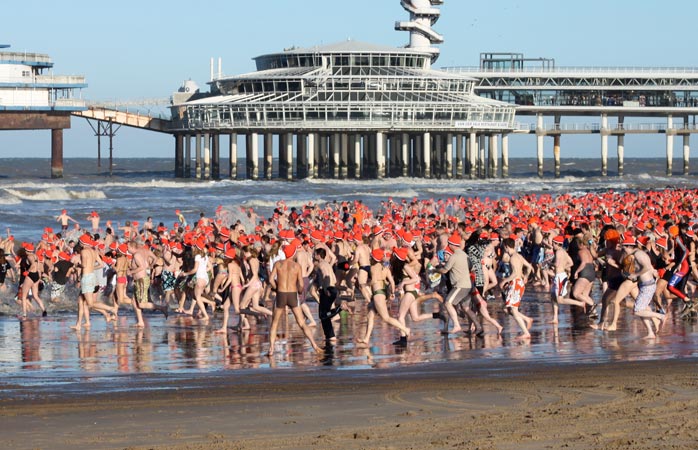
346 110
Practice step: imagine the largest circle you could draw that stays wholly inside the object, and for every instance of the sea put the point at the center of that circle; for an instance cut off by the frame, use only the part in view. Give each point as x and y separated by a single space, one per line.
42 354
136 188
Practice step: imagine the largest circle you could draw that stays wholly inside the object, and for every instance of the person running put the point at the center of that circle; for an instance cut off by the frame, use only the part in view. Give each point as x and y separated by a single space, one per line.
562 263
287 280
458 269
140 264
89 262
383 289
514 285
639 268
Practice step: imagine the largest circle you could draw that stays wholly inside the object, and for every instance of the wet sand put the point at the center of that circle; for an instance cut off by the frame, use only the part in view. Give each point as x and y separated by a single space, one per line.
515 405
177 384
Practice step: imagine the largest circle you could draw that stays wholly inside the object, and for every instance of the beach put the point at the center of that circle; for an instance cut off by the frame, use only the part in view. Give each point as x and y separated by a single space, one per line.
175 383
624 405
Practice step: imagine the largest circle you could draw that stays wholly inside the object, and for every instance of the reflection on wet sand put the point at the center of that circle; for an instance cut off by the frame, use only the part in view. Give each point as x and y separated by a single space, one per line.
48 348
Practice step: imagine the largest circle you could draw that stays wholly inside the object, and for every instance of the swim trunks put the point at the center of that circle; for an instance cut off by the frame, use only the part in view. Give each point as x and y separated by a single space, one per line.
284 299
515 293
88 282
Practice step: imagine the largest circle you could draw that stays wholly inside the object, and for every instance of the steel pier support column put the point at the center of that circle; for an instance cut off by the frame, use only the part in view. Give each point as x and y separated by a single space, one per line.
56 153
604 145
448 163
334 155
281 152
312 153
405 159
216 156
686 153
472 154
417 155
252 156
669 145
436 155
179 156
481 157
323 171
199 151
426 156
233 155
351 156
459 156
302 156
380 155
207 156
556 154
355 156
343 155
187 156
621 153
288 157
540 136
267 166
505 155
494 154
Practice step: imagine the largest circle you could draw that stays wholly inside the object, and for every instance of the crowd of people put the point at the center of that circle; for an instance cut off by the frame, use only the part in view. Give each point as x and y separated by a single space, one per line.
467 256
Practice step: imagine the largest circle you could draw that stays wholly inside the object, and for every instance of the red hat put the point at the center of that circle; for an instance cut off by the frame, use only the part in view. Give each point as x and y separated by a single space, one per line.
377 230
455 239
123 249
224 232
449 250
317 235
494 236
230 253
286 234
629 240
559 239
407 237
64 256
643 240
401 253
663 243
378 254
29 247
290 251
86 239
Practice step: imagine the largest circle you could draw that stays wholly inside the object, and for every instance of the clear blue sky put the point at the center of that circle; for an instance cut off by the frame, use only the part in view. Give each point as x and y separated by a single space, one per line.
131 50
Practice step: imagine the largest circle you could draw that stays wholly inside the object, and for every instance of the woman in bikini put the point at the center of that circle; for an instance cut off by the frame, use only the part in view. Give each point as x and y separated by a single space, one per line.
232 289
32 279
382 288
121 267
253 288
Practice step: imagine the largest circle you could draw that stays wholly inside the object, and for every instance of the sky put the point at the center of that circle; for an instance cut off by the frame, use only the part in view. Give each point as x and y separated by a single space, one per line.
135 50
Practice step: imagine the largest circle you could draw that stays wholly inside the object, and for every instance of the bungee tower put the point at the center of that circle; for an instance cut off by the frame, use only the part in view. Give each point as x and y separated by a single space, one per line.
423 14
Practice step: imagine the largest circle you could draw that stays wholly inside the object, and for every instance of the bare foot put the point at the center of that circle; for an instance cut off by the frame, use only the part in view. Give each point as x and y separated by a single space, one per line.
661 322
75 327
611 328
499 330
594 326
454 330
220 330
554 321
529 323
523 337
650 336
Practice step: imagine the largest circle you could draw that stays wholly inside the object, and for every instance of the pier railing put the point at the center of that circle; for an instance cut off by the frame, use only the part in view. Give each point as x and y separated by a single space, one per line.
596 127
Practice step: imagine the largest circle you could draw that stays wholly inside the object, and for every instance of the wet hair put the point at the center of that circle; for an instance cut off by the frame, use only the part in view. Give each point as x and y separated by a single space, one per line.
321 253
509 242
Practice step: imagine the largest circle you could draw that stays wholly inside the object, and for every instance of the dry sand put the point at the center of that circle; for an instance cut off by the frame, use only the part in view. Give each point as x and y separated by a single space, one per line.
625 405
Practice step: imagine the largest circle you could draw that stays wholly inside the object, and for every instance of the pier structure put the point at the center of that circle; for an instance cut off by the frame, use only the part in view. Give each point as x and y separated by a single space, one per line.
346 110
617 97
33 98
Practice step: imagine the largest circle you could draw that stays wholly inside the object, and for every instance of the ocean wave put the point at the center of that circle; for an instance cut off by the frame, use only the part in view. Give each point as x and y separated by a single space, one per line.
56 193
11 200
